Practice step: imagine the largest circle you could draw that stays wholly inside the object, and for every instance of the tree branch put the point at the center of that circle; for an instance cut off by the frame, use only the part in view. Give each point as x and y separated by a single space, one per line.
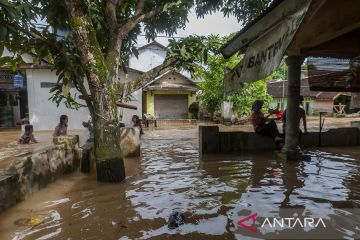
116 39
32 34
110 12
148 76
140 7
133 21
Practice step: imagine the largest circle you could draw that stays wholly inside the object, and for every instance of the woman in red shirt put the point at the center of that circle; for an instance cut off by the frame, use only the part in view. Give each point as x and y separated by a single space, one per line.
264 125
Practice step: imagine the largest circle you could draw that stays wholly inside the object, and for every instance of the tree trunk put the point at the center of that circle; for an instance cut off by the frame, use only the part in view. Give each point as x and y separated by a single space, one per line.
109 162
355 103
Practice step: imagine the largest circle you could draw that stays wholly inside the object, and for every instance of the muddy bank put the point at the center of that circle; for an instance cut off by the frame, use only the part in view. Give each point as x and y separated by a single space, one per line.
169 176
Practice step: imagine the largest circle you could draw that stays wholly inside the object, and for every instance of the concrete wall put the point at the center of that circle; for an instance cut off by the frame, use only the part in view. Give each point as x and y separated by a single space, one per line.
211 141
128 113
323 106
32 171
227 110
150 103
43 113
148 58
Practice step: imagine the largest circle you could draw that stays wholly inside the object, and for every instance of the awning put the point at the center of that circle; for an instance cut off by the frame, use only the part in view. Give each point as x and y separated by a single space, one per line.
322 28
265 52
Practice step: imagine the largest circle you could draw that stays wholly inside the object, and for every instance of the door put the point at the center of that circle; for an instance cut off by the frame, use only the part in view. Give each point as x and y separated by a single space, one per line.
307 108
171 106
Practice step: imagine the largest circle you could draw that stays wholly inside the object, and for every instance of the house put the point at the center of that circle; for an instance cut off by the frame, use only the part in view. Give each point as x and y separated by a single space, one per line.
32 98
166 91
13 99
314 101
174 91
168 96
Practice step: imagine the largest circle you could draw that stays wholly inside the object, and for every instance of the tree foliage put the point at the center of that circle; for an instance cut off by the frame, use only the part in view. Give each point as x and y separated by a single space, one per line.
112 28
212 74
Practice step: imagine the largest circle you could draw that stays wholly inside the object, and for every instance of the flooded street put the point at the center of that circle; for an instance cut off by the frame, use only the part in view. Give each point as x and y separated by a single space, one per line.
211 193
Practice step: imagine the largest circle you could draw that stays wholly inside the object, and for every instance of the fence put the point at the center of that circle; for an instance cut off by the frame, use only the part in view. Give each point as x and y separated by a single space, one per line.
167 123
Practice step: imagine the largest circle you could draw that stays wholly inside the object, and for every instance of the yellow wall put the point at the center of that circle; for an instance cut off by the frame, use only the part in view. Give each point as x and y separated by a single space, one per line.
191 99
150 99
150 108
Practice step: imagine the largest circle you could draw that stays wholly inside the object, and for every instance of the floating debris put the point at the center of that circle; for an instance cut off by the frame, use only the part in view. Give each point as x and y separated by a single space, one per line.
175 220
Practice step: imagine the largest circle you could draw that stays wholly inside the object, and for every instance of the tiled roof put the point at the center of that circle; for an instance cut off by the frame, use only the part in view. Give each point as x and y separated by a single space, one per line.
278 89
340 81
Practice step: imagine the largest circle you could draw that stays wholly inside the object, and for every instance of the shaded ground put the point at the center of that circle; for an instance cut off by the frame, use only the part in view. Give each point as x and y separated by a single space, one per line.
213 194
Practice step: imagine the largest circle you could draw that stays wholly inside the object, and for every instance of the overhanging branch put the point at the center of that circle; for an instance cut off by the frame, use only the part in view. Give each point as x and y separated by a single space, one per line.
150 75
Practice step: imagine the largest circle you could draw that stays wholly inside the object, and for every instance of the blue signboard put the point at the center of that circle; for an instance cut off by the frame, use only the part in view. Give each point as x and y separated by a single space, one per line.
18 80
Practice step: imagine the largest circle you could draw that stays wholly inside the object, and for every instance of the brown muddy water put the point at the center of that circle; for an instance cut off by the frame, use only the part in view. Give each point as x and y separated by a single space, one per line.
169 176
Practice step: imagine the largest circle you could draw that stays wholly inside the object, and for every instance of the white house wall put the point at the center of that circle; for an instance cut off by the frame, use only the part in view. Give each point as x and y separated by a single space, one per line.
128 113
43 113
135 96
148 58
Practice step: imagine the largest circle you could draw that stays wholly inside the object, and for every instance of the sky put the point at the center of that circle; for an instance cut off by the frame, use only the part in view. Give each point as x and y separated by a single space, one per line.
215 23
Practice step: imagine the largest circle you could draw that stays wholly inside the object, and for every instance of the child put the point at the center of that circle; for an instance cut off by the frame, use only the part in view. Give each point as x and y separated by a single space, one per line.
137 123
61 128
28 136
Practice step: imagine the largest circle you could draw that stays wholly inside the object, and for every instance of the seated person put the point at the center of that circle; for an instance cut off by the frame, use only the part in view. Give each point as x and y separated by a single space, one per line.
264 125
61 128
137 123
302 115
28 136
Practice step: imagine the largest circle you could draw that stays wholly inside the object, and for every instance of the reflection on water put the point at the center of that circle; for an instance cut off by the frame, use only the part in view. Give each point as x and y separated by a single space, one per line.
211 193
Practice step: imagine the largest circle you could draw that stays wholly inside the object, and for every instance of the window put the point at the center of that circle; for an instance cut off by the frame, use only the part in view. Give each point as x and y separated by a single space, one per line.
47 84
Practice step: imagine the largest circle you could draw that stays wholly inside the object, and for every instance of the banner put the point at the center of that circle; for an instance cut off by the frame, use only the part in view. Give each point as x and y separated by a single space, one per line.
264 55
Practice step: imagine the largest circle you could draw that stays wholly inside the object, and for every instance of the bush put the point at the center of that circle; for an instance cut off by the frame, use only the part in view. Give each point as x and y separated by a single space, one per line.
194 110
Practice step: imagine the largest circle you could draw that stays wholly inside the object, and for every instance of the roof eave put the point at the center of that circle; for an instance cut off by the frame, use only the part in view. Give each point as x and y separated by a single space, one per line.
268 19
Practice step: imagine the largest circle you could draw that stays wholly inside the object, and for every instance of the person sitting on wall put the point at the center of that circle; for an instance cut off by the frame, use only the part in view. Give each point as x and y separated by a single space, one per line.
61 128
28 136
264 125
137 123
302 115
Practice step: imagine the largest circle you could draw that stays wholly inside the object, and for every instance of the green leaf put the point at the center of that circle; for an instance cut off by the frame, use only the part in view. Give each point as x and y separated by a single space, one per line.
66 88
183 51
3 33
205 57
27 9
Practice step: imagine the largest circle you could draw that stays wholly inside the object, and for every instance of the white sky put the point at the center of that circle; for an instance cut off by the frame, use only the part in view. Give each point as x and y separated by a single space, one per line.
210 24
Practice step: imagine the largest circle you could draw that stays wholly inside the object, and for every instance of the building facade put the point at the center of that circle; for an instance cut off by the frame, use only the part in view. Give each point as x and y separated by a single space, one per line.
32 100
314 101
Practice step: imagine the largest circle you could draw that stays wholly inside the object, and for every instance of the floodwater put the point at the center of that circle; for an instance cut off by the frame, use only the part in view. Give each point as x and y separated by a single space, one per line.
211 193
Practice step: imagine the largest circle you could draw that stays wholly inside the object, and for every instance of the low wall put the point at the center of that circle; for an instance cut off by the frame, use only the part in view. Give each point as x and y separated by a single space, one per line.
32 171
211 141
164 123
